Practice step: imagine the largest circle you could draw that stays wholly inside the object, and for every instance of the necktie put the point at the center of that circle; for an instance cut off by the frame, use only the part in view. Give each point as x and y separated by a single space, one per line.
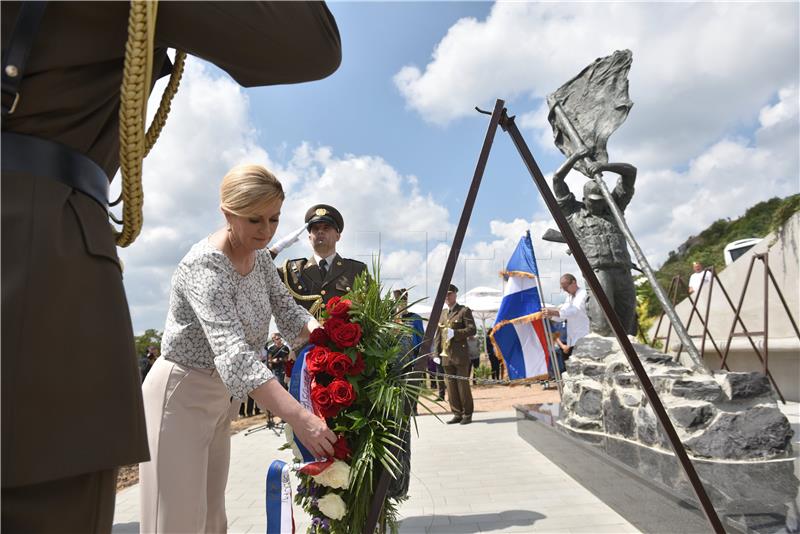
323 266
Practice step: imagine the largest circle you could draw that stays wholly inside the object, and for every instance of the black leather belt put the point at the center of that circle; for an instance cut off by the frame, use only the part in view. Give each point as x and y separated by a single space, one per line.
40 157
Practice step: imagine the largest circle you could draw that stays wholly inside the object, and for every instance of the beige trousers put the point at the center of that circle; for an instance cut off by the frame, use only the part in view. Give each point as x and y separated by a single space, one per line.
188 428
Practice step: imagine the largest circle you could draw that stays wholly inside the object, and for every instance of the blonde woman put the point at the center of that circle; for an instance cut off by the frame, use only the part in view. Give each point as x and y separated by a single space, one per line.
223 294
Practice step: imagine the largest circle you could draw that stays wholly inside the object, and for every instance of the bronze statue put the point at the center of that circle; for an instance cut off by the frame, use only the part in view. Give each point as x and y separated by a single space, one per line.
602 240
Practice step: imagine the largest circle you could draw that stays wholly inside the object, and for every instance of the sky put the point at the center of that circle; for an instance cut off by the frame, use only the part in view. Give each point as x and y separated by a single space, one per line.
391 139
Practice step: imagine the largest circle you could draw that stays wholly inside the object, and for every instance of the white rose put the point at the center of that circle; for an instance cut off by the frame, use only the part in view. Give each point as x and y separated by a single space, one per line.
332 506
335 476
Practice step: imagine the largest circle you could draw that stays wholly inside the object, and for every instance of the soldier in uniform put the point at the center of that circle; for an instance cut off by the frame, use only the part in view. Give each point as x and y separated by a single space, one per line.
602 240
313 281
451 343
62 278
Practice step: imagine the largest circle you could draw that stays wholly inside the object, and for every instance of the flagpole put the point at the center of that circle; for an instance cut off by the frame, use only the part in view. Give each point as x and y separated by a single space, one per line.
551 350
546 322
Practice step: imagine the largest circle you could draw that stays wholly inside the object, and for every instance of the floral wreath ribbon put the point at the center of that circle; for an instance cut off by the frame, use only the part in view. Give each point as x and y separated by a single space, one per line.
280 515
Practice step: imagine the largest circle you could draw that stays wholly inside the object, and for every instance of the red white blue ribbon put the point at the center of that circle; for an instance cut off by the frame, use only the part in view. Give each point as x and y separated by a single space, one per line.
300 388
280 518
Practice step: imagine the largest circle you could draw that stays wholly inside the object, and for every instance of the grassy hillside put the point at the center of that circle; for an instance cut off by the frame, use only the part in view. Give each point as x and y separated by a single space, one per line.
707 247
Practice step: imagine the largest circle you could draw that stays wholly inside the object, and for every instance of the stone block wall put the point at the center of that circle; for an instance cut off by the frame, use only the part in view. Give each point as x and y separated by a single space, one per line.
726 415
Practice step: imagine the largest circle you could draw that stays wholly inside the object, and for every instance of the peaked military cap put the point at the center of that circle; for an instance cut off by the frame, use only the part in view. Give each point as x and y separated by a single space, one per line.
324 213
452 289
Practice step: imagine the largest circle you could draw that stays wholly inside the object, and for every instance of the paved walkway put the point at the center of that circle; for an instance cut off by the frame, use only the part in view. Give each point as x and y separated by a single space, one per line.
465 479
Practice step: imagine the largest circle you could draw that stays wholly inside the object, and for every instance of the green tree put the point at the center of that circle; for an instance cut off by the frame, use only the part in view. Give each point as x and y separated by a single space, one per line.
150 337
707 248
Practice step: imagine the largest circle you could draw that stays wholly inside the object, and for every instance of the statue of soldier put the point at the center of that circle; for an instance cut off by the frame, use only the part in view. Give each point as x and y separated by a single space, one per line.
601 239
62 279
313 281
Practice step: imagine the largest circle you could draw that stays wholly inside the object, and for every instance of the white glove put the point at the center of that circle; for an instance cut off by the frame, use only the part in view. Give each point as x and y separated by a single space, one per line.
437 360
450 334
288 241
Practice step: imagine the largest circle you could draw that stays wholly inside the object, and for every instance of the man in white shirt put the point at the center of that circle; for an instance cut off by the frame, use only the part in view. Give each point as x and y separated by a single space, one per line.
700 274
573 310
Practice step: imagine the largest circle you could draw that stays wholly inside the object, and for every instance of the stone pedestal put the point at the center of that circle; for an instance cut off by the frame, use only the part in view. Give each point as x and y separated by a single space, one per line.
724 416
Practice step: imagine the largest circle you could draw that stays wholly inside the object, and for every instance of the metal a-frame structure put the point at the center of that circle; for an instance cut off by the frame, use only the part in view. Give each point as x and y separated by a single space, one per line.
500 118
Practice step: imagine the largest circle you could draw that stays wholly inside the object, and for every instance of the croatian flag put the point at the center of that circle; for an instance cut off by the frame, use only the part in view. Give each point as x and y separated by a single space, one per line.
519 335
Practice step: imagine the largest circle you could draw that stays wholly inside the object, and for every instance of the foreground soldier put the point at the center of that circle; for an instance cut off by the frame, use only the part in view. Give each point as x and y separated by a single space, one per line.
61 275
315 280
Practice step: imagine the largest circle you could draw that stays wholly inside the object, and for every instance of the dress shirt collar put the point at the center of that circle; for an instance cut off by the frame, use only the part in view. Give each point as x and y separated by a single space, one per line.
329 259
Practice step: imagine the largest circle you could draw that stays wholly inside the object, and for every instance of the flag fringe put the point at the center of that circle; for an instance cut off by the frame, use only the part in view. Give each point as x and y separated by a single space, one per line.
521 274
499 353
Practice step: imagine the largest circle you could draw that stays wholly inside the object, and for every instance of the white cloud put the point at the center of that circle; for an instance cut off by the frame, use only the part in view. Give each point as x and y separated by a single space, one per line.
714 127
723 181
698 69
480 263
183 173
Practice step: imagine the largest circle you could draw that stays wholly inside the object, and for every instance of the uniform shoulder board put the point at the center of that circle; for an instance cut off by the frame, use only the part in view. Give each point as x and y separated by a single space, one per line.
354 263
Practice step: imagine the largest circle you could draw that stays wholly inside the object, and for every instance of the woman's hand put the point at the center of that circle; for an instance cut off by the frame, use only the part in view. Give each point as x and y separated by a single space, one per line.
312 325
315 435
308 427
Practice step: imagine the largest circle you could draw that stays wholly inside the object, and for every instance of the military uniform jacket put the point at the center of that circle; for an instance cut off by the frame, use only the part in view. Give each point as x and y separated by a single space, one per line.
310 289
460 319
599 236
74 405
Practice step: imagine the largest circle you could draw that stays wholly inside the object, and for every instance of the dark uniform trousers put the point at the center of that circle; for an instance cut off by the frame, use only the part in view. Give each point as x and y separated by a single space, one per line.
460 319
83 504
65 403
71 399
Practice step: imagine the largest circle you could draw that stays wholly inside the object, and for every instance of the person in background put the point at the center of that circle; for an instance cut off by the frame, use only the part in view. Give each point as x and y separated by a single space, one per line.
277 356
699 277
561 351
313 281
474 358
573 311
145 363
451 344
493 360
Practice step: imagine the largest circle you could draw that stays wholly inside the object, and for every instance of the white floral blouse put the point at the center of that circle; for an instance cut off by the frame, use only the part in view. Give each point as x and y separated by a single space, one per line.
220 318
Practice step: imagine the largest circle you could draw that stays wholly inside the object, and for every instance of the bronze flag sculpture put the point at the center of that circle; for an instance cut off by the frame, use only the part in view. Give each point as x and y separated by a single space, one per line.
584 112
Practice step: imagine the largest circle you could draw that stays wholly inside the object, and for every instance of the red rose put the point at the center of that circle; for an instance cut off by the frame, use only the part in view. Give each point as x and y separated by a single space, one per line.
323 401
358 367
332 324
319 337
341 393
317 360
345 334
338 308
339 364
341 450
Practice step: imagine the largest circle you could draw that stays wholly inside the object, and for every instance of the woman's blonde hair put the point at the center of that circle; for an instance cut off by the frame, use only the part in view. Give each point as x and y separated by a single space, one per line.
247 188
